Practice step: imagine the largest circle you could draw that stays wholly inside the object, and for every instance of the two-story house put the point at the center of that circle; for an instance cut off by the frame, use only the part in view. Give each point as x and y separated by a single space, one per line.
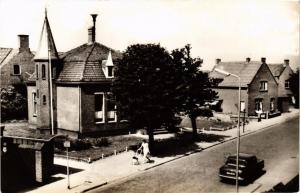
71 93
259 88
282 73
16 65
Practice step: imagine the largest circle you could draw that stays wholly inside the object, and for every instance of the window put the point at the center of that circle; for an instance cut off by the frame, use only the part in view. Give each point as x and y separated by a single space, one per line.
258 105
110 71
37 71
287 84
37 93
34 101
111 108
243 106
44 100
17 69
53 73
99 107
263 86
272 104
43 71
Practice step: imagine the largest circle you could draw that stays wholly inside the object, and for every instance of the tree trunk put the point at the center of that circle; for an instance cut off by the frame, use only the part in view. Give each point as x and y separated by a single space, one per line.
151 139
194 126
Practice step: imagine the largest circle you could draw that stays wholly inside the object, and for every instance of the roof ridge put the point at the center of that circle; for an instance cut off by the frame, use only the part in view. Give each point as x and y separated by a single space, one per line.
86 60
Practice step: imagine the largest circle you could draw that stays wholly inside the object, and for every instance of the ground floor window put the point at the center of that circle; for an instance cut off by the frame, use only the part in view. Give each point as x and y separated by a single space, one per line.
99 107
111 108
243 107
272 104
34 102
258 105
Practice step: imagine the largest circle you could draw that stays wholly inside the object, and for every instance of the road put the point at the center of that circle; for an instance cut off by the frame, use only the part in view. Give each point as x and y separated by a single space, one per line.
277 145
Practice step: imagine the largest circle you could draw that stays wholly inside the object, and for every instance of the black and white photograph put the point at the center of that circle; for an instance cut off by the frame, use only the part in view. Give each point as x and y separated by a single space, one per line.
161 96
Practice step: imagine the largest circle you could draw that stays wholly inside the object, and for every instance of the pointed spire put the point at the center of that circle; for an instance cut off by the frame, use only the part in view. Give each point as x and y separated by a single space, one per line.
109 61
46 43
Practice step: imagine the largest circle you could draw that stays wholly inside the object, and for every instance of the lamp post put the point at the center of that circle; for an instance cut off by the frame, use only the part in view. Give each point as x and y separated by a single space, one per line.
67 145
238 127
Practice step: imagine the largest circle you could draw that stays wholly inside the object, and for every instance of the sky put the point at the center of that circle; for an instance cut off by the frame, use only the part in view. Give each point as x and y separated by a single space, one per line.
228 29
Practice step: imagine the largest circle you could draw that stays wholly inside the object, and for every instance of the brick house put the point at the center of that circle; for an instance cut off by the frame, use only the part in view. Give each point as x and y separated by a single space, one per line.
81 80
16 65
259 88
282 73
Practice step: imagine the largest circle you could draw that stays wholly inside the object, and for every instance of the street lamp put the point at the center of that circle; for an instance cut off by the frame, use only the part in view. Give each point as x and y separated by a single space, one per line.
67 144
238 127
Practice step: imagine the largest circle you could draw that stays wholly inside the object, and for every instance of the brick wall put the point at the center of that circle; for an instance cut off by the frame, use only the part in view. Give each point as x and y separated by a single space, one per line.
230 99
263 74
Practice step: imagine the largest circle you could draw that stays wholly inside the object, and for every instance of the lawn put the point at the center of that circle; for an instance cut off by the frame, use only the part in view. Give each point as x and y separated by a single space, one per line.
115 143
205 123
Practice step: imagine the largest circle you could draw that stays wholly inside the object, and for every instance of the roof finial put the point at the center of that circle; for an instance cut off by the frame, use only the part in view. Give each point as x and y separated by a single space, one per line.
45 11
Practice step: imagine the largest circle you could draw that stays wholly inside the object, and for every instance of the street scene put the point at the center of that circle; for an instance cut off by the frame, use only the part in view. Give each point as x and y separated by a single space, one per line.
159 96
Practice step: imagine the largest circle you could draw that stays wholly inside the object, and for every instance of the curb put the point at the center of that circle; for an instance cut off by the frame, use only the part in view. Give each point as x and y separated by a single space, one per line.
199 150
93 187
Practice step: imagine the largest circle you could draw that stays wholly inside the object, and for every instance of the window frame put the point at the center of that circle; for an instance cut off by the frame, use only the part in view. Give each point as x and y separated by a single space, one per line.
44 99
258 101
272 101
263 86
287 84
108 71
115 109
34 102
19 70
44 71
242 102
103 107
37 71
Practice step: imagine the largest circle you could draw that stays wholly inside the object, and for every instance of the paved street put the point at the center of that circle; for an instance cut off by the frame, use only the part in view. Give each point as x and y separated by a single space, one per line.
277 145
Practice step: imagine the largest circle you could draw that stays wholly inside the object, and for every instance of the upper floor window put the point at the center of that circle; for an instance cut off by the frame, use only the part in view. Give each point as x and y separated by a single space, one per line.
110 71
263 86
44 100
37 71
99 107
17 69
287 84
43 71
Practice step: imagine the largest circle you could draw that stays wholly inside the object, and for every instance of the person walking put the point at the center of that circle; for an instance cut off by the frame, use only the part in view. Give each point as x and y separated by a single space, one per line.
146 151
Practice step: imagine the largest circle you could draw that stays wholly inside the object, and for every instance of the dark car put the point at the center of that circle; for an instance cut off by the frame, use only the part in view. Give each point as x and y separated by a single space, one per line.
249 168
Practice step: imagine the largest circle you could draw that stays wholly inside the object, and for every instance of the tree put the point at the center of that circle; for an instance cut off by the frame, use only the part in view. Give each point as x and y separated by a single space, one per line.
194 86
13 104
294 85
144 87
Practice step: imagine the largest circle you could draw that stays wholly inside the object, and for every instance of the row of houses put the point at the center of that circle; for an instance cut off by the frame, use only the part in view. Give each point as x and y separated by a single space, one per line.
71 91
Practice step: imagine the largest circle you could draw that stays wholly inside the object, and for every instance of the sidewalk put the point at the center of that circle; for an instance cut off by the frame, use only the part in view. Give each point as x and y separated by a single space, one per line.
118 167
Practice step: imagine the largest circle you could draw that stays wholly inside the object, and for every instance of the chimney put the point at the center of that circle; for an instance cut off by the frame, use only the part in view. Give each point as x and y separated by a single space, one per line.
263 60
218 60
286 62
248 60
92 30
23 43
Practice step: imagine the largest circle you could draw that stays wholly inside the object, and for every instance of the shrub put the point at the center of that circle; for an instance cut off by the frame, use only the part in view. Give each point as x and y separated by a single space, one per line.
99 142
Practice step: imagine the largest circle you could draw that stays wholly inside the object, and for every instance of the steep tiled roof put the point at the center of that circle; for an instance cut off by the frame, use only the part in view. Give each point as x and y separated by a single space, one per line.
276 69
84 63
6 54
246 71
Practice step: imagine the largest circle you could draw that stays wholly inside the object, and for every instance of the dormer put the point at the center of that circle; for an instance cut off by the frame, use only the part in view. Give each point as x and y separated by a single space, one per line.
108 66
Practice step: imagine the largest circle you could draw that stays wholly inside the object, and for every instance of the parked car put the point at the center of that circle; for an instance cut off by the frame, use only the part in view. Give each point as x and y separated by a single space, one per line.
249 168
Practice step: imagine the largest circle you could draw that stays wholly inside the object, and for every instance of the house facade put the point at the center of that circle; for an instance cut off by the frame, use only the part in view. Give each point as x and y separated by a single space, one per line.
282 73
78 84
259 89
16 65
